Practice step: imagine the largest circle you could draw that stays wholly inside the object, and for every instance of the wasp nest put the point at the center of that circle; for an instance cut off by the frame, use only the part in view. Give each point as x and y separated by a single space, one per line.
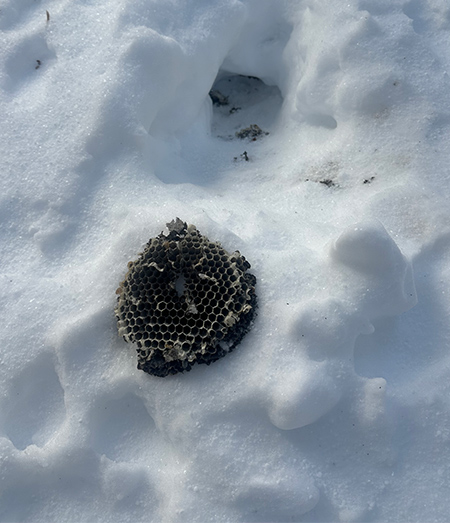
185 300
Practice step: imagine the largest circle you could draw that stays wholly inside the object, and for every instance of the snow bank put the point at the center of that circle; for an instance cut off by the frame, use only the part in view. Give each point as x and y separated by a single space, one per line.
326 410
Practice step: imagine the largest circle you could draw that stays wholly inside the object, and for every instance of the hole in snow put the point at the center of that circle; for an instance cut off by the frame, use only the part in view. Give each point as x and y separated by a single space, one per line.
241 103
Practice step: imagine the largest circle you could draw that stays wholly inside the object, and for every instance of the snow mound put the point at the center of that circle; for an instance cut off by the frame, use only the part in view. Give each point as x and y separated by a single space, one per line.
376 280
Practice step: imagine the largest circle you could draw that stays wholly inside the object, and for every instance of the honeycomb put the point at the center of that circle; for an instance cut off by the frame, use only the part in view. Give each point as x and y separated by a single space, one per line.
185 300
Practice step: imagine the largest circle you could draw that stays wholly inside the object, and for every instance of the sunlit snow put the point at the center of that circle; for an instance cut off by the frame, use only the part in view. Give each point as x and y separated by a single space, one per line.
324 160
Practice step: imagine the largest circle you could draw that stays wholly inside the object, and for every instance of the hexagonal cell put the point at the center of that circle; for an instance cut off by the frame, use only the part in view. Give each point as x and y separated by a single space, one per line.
214 303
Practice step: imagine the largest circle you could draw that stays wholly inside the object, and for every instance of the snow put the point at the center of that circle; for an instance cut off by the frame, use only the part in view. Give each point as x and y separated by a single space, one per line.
335 405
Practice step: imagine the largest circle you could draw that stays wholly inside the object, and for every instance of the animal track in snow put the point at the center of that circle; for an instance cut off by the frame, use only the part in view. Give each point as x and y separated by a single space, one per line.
122 428
27 61
425 19
34 406
383 353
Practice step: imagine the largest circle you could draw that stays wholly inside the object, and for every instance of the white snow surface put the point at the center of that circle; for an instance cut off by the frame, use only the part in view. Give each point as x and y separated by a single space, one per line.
336 405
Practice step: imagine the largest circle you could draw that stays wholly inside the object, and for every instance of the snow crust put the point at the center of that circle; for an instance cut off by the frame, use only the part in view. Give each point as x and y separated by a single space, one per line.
335 407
